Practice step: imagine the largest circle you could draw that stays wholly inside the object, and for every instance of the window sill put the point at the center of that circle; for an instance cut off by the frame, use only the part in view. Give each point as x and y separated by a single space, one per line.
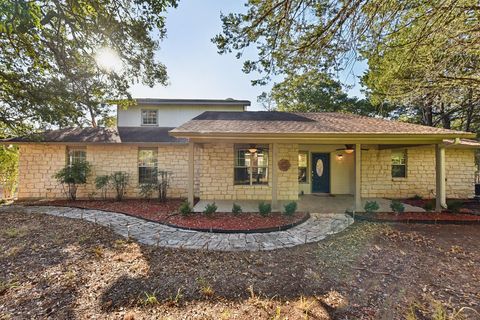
149 125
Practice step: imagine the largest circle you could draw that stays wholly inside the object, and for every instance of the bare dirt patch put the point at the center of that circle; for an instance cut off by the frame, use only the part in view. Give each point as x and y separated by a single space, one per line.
62 268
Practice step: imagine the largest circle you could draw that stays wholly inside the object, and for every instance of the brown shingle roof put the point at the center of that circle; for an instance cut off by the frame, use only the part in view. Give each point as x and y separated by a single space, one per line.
268 122
101 135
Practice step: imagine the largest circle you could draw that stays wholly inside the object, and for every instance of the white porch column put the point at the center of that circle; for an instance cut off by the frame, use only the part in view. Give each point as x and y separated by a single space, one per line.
274 176
191 172
358 174
440 200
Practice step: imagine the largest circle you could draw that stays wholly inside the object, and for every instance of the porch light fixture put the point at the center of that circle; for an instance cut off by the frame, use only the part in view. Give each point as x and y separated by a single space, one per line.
339 156
349 148
252 149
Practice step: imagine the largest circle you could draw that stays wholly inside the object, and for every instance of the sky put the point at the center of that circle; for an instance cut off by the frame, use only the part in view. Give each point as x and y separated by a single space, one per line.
197 71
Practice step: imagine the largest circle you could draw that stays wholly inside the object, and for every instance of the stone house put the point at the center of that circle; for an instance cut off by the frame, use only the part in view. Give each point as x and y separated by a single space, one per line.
216 150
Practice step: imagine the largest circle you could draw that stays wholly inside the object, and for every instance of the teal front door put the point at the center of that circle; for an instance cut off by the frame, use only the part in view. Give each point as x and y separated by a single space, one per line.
321 172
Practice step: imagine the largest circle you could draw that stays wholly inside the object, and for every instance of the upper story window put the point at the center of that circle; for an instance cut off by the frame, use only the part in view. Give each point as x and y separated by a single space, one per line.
302 166
251 165
147 165
76 155
149 117
399 163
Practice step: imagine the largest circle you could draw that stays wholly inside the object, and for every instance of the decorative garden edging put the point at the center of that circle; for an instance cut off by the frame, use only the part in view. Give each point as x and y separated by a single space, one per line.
364 217
210 230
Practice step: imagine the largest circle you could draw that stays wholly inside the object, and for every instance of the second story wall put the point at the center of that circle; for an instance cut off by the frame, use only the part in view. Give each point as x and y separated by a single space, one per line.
167 115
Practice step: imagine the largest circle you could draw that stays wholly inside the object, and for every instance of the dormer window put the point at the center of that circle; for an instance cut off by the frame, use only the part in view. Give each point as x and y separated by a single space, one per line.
149 118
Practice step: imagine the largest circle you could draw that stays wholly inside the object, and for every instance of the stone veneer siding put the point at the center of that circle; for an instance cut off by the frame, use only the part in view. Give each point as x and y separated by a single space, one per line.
377 180
217 176
214 172
39 162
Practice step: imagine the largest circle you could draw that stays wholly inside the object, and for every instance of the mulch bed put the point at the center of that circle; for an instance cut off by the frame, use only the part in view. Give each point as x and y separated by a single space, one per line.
469 206
167 213
420 217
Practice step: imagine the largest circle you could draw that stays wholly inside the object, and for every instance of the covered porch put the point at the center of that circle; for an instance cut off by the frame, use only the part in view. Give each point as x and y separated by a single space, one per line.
312 203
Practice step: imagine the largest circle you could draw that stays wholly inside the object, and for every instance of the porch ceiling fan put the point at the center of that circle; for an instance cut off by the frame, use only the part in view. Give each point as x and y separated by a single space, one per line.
350 148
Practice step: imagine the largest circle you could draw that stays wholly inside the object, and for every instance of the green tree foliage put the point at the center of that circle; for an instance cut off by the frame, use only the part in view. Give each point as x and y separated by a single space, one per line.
73 175
48 71
315 92
8 170
423 55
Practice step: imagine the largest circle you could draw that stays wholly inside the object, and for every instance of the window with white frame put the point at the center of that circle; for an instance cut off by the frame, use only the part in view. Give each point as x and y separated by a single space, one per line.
147 165
399 163
251 165
149 117
302 166
76 155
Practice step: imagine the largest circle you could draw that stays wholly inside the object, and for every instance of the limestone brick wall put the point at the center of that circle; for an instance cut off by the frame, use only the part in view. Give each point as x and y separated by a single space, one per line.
377 181
217 175
39 162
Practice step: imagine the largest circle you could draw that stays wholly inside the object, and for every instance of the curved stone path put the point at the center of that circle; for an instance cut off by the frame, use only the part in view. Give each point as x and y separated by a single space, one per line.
314 229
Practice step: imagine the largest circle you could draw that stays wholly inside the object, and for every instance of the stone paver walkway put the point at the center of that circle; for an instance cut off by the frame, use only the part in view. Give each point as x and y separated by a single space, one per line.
314 229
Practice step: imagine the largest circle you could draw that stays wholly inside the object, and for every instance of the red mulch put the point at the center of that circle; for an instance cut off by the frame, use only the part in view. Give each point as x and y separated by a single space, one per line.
470 206
424 216
167 212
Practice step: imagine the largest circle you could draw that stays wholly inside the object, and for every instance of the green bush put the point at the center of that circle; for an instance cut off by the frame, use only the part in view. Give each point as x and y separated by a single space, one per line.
454 205
397 206
101 183
119 182
210 209
416 197
185 208
264 208
371 206
236 209
147 190
72 175
290 208
429 205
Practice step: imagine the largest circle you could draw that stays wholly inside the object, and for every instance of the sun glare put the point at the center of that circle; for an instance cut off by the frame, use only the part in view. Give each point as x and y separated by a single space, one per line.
107 59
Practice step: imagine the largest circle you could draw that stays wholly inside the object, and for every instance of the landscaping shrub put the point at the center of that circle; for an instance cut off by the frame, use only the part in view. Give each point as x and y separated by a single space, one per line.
147 189
416 197
71 176
185 208
290 208
397 206
264 208
454 205
119 181
371 206
429 205
236 209
210 209
101 183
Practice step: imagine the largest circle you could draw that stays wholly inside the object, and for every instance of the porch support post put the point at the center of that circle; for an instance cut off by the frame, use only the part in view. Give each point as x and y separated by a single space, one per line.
191 172
440 195
274 176
358 168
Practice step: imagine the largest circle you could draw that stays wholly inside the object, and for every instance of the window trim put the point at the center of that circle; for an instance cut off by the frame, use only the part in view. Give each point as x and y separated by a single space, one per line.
236 148
149 124
405 164
138 163
307 180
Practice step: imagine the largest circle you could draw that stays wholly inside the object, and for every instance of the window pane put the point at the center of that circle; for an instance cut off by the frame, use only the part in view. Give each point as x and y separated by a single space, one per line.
149 116
242 176
241 158
147 175
147 165
260 176
76 156
398 157
399 171
302 175
260 158
302 159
